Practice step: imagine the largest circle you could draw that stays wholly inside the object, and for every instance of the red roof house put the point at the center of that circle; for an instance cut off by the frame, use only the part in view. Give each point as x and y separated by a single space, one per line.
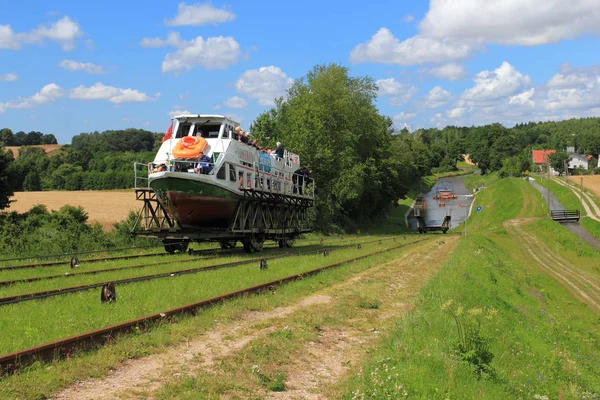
541 156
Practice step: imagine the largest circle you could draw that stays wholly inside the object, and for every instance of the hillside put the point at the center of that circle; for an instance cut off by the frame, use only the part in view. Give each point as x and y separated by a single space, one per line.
50 149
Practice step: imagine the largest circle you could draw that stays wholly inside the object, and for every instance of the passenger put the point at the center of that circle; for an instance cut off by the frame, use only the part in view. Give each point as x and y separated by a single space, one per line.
237 133
247 138
204 162
244 136
279 150
306 179
160 168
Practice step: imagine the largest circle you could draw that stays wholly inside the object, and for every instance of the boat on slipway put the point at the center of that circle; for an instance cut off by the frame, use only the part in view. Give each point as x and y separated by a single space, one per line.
236 193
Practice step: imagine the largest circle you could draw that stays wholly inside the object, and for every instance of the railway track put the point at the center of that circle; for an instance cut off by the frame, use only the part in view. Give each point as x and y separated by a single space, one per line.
216 252
56 292
12 362
115 258
90 260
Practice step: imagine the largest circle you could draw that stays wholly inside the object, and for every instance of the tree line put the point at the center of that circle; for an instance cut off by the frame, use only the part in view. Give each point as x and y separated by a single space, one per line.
94 161
8 138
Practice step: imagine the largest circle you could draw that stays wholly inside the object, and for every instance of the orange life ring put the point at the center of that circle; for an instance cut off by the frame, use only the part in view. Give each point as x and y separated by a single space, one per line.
189 147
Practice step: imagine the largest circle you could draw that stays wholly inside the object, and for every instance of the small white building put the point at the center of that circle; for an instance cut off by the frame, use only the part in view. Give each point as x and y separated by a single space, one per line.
578 161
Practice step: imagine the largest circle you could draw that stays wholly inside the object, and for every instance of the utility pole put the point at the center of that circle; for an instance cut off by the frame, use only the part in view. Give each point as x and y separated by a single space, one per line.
580 205
548 183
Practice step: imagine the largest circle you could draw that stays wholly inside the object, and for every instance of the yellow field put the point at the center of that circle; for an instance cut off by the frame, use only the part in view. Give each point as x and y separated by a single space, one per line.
103 206
50 149
590 182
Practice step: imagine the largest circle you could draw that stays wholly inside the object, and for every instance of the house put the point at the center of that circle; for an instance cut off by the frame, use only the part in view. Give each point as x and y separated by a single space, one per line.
540 158
578 161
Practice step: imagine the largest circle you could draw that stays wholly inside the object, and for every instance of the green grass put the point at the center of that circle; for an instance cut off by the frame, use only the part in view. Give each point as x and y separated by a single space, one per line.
471 181
522 334
42 380
567 198
40 321
592 226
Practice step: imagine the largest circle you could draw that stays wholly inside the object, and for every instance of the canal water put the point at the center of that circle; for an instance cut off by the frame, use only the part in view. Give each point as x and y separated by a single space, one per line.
458 208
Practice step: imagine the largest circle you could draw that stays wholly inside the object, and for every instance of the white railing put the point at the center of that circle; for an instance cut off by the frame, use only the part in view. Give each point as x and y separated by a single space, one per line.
140 172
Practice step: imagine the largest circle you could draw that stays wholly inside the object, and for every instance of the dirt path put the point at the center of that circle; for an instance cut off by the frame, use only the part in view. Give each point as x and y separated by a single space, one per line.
317 365
584 286
595 214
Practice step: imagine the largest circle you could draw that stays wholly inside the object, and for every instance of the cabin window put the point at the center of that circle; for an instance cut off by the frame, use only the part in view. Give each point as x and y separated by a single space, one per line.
231 172
221 173
241 178
207 131
183 130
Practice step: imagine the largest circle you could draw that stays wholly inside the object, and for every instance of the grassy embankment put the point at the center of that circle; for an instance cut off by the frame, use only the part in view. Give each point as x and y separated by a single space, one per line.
491 324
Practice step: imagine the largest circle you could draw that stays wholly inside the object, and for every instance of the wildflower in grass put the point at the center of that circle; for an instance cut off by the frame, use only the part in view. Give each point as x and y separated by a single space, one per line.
447 305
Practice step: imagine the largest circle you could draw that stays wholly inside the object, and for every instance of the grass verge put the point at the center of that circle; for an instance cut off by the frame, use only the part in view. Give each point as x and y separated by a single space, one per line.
491 324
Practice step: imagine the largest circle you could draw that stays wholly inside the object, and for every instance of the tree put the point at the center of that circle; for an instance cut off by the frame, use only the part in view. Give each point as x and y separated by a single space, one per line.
6 137
32 182
558 160
331 121
6 190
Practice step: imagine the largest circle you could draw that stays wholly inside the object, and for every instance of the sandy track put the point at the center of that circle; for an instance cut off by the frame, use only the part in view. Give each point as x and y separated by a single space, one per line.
592 209
318 365
103 206
584 286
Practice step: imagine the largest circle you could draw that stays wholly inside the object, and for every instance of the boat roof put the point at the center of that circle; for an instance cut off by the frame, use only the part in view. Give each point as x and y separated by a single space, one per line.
194 117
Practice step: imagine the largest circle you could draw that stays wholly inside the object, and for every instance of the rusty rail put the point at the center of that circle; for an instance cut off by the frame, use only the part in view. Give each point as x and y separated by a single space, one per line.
56 292
10 363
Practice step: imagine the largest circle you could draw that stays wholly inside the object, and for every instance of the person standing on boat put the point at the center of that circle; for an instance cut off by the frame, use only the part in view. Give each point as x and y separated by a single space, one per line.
204 162
279 150
237 133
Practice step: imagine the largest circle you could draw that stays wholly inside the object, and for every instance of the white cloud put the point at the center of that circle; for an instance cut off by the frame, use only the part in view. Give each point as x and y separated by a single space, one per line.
398 93
384 48
458 112
534 22
494 85
115 95
452 30
408 18
437 97
10 77
178 112
235 102
64 32
87 67
47 94
173 39
569 76
200 14
213 53
523 98
264 84
184 95
402 117
451 72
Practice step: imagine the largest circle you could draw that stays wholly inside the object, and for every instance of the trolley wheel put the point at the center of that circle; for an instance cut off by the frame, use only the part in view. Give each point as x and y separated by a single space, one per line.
253 244
171 246
285 243
228 244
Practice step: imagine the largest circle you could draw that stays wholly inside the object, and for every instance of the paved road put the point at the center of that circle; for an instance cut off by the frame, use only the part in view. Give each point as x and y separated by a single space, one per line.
573 227
434 215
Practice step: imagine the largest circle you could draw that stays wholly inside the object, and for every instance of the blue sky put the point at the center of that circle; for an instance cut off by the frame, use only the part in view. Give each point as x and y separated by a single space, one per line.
68 67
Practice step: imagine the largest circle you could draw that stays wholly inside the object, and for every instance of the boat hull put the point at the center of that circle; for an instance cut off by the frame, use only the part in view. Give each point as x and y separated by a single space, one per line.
195 203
